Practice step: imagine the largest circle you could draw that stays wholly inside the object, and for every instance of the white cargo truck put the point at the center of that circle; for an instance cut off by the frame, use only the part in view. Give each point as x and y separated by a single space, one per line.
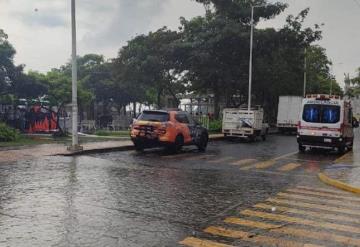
288 113
239 122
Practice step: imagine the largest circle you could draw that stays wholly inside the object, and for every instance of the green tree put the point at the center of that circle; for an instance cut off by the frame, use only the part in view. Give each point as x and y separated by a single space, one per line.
8 70
145 66
354 90
319 77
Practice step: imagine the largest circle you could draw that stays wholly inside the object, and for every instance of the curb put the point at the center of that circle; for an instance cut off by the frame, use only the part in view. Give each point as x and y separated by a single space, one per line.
99 150
119 149
338 184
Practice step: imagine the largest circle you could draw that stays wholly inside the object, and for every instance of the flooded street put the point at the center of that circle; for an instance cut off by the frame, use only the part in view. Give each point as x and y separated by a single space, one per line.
144 199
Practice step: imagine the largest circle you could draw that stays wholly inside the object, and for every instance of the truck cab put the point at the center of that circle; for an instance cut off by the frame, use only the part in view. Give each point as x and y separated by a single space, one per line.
325 122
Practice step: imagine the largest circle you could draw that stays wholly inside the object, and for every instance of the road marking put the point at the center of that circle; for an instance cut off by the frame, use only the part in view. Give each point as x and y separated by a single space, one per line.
289 167
314 206
265 164
345 156
355 199
260 165
278 228
221 160
285 155
200 157
321 215
317 200
268 163
289 219
196 242
323 190
239 221
295 159
248 237
175 156
243 162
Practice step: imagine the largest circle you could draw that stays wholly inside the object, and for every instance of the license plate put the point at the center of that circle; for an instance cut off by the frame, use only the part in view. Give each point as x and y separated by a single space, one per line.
327 140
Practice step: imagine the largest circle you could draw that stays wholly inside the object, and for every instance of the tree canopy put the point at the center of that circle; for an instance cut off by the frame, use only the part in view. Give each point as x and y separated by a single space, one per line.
208 55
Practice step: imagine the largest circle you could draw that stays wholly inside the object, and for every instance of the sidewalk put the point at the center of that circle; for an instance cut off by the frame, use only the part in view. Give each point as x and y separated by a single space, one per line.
345 172
18 153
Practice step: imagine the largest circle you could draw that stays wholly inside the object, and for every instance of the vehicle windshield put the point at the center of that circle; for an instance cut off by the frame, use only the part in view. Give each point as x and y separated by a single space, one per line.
154 116
327 114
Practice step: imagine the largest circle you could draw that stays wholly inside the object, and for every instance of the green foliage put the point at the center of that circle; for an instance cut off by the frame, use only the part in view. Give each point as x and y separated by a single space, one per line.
208 55
318 72
354 90
8 134
124 133
215 126
145 66
239 10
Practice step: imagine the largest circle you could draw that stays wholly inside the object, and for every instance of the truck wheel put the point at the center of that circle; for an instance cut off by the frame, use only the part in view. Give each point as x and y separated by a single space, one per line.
252 138
302 148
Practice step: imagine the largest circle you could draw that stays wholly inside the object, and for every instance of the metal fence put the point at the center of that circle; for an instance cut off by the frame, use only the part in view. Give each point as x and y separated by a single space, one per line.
204 120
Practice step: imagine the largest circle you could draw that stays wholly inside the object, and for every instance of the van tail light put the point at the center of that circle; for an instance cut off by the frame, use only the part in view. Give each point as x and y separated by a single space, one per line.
299 125
342 128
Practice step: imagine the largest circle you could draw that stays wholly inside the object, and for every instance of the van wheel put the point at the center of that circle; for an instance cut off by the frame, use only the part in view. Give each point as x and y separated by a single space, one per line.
263 137
341 149
302 149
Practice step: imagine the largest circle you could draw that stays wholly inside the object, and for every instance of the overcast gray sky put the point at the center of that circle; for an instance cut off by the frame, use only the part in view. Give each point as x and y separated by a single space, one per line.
42 38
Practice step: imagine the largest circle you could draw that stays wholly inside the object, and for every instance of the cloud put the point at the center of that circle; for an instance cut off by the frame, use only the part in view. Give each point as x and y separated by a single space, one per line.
126 19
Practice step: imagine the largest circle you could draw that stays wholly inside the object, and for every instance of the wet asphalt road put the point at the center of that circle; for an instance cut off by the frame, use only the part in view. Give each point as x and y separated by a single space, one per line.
145 199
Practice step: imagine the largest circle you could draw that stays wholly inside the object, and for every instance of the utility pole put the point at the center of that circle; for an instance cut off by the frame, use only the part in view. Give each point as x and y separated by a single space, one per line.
251 56
75 138
305 72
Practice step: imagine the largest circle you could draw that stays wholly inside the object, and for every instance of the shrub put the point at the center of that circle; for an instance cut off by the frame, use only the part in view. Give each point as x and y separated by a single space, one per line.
8 134
215 126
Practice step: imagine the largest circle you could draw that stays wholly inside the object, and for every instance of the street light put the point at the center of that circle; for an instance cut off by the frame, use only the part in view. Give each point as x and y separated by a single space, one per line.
75 138
305 71
251 52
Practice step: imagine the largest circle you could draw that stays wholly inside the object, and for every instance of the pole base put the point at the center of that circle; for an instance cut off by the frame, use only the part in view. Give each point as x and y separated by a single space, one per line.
75 148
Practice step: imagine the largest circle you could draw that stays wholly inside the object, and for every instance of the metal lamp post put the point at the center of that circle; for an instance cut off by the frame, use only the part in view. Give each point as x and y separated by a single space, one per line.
305 71
75 138
251 53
